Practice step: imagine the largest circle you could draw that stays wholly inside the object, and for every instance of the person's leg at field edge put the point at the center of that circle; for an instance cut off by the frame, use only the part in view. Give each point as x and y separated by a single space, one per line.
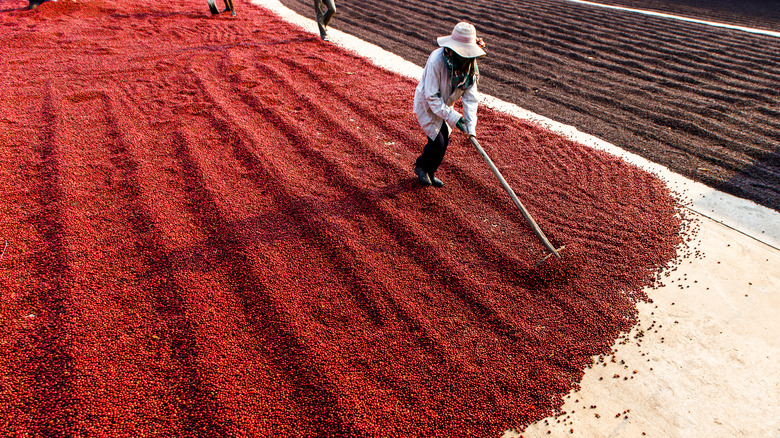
229 7
433 154
323 17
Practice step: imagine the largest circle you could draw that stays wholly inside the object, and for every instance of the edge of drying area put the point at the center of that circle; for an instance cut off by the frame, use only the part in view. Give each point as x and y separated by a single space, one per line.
702 360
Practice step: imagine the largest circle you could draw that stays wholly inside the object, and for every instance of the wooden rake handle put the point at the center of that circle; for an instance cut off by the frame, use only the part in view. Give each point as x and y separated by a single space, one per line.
538 231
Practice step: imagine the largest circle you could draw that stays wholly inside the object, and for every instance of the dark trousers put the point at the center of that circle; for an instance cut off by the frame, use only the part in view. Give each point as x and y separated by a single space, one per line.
323 17
433 152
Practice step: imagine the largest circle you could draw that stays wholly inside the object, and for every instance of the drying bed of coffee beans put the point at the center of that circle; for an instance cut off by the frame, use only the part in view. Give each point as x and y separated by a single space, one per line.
700 100
210 227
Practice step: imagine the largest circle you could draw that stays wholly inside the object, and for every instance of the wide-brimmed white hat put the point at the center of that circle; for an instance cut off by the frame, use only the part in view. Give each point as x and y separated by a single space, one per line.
463 41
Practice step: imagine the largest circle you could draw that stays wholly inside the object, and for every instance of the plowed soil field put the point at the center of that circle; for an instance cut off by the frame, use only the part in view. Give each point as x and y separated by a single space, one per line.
210 227
700 100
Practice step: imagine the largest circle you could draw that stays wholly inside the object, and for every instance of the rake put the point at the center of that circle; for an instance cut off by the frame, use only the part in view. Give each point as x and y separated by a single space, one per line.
538 231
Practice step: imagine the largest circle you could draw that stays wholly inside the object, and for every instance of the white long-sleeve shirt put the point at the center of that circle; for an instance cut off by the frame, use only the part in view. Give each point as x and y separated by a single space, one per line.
432 98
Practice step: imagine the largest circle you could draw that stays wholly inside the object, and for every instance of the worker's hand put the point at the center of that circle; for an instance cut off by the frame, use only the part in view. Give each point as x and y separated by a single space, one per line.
461 125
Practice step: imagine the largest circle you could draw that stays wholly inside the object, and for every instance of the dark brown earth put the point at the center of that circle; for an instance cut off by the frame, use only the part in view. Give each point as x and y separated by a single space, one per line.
698 99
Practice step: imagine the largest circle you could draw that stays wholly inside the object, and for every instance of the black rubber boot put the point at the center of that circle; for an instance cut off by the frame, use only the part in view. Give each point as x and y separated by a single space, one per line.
422 176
